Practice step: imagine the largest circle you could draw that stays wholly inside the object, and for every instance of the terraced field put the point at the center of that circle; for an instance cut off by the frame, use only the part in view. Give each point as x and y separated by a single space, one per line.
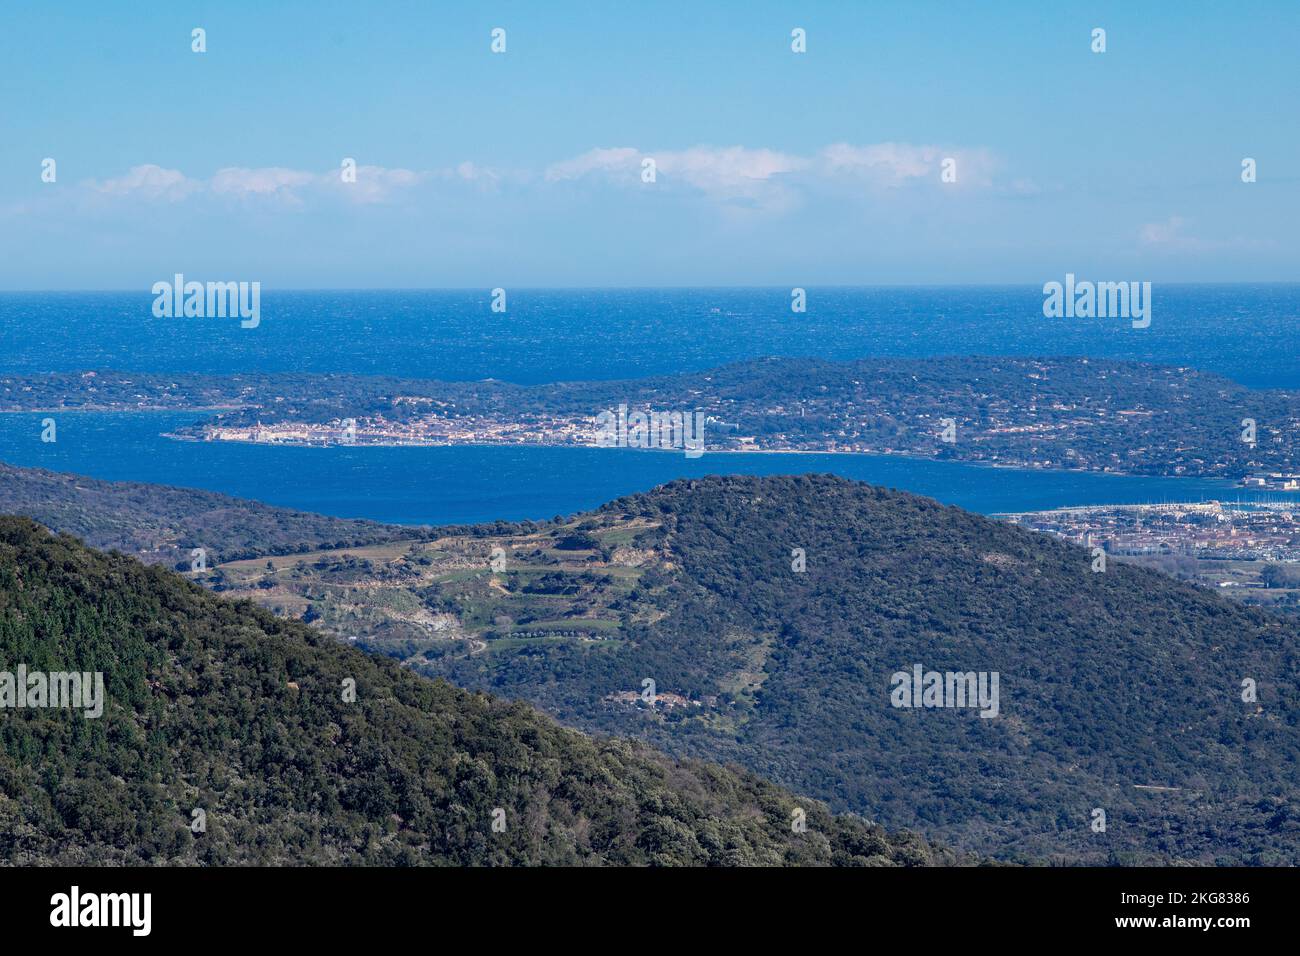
575 583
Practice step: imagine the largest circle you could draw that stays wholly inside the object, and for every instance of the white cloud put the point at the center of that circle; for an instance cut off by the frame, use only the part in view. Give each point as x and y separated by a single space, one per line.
374 184
733 170
735 175
265 181
471 173
768 176
619 159
893 164
738 177
708 168
290 186
149 182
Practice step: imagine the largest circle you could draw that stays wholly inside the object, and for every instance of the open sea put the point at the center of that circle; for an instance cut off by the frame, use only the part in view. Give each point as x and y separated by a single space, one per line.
1250 333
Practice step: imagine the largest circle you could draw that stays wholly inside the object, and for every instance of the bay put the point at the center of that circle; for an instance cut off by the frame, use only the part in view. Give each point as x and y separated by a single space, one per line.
472 483
1247 332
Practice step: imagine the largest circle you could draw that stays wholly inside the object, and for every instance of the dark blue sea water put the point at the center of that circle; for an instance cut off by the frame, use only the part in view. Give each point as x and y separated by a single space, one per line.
1247 332
466 484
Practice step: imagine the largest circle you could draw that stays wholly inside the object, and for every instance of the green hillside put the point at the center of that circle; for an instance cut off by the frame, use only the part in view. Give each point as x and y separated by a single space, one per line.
1120 691
162 525
218 706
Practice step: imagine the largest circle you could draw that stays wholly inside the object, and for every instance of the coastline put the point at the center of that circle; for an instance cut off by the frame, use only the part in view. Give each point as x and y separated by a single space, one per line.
1005 465
881 453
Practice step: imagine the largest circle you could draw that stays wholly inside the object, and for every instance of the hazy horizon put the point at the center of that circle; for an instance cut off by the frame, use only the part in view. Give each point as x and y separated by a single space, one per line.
661 288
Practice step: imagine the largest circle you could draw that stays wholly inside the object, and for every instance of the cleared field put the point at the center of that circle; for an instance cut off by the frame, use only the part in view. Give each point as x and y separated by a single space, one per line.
572 583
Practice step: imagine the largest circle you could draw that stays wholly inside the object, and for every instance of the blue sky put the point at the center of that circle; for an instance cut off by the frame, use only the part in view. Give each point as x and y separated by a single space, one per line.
523 168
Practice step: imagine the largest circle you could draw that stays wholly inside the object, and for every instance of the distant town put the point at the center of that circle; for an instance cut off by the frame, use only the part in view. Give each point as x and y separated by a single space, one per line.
432 430
1250 550
1060 413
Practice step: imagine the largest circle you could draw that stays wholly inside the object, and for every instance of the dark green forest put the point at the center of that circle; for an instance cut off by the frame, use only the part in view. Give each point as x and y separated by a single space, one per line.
162 525
1119 690
218 706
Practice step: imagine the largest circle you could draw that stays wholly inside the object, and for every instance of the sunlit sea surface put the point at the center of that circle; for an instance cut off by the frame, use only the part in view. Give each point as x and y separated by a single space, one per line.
1250 333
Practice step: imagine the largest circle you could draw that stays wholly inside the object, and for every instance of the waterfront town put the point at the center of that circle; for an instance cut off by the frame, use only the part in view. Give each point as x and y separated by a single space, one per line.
1213 529
1274 481
1250 550
1044 414
425 430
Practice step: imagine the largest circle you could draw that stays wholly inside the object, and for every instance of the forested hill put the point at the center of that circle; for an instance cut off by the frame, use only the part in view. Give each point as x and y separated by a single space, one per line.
1121 691
220 714
163 525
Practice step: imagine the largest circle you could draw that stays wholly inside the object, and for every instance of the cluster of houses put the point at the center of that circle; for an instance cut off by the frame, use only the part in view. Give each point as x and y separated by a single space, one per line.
1272 482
